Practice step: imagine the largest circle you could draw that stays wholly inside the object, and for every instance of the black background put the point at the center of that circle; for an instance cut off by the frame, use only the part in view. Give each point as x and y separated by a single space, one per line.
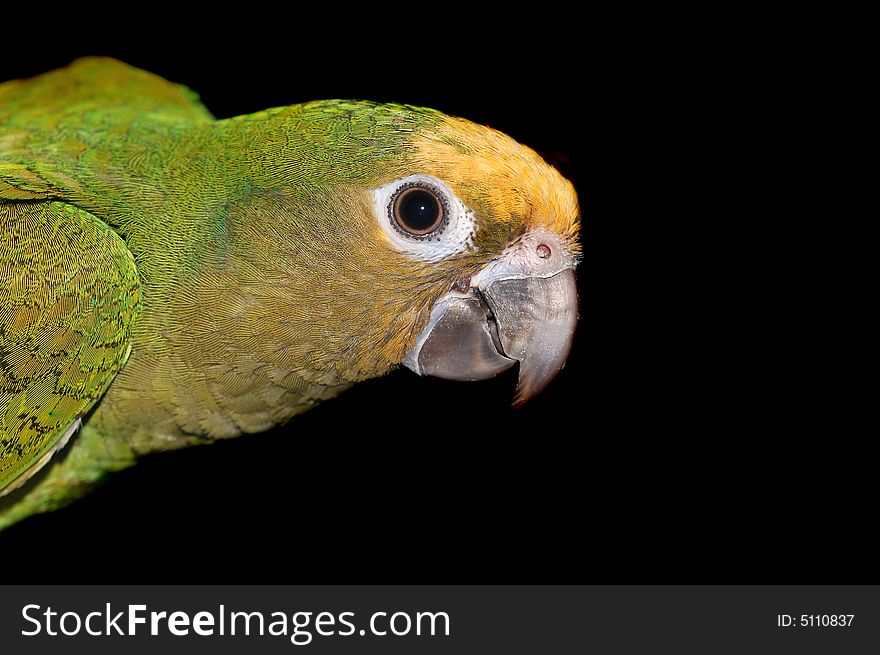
666 450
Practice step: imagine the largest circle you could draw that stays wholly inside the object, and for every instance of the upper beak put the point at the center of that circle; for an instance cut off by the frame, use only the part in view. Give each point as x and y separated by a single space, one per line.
521 308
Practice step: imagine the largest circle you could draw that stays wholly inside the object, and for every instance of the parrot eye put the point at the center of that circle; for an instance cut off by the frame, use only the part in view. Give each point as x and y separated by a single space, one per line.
417 210
423 218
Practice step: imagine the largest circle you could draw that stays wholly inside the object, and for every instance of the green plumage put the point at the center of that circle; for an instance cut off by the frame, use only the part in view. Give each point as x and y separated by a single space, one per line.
64 326
238 261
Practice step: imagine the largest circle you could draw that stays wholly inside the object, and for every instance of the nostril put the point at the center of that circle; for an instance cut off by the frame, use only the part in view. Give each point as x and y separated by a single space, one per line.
544 251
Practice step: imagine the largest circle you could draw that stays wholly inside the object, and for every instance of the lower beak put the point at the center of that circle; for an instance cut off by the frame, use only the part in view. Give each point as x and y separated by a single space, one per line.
480 333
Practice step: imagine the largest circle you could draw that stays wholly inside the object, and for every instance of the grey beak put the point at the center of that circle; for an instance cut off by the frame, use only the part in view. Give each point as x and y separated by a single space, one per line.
478 334
536 318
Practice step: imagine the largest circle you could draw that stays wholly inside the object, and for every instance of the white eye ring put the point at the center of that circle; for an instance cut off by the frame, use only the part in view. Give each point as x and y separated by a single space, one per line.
452 233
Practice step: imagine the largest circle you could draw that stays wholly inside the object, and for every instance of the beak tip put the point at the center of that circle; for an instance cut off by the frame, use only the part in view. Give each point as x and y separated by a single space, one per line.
519 400
528 389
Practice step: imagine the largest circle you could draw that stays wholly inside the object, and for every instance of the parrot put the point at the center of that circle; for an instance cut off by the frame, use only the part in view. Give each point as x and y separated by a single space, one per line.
168 279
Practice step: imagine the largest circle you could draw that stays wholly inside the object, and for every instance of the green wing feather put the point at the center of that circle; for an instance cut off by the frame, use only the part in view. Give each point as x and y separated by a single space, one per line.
94 83
69 293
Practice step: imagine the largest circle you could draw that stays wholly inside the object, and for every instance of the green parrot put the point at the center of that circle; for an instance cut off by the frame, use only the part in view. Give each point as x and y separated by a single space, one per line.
168 279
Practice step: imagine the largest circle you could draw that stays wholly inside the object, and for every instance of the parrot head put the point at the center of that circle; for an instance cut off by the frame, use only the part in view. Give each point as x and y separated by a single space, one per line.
441 245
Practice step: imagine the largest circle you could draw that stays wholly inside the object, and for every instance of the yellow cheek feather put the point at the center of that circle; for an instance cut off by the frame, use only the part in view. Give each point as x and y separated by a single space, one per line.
506 180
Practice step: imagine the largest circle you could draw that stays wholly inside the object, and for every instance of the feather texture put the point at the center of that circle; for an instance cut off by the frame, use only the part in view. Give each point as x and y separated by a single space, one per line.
241 259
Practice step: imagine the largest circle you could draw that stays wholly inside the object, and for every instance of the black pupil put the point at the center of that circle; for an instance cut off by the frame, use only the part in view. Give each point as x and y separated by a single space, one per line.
419 210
